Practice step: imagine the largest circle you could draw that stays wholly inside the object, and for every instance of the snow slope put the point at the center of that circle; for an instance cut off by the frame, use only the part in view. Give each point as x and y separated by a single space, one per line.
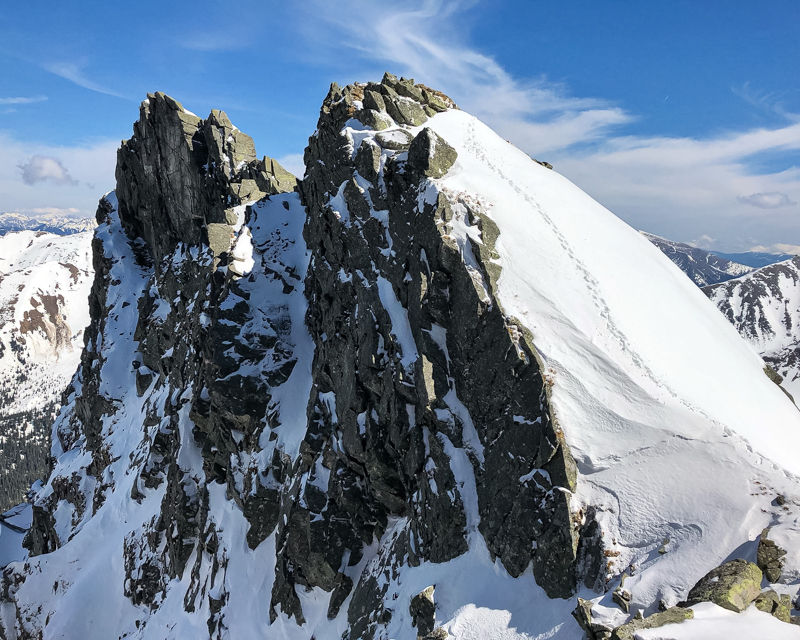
44 289
764 306
648 376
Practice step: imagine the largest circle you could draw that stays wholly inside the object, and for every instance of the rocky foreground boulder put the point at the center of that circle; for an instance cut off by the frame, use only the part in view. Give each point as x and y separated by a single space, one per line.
402 397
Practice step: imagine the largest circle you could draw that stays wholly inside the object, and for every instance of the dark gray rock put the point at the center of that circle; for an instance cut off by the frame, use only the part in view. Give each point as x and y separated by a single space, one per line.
770 557
430 155
423 611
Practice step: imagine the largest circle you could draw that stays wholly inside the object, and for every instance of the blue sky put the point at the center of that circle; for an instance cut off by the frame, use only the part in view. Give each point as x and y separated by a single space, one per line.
681 117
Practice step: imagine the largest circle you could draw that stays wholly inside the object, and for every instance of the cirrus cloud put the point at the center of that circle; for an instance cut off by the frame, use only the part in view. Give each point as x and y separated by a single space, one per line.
23 100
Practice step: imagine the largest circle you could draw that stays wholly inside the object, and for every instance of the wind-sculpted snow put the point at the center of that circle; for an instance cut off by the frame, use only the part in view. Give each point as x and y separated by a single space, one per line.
435 391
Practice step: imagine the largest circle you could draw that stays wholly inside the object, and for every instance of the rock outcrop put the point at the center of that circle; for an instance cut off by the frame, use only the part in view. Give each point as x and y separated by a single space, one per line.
770 557
675 615
733 586
324 360
315 408
407 334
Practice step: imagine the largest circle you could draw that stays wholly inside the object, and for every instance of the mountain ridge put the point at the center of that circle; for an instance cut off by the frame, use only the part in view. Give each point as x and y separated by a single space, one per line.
703 267
405 397
764 306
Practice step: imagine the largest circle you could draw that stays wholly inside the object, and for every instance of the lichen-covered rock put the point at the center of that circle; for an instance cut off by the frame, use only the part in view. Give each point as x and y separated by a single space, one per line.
675 615
770 557
779 606
732 586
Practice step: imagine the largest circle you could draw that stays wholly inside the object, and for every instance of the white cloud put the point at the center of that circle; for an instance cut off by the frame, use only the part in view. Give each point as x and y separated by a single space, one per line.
89 164
703 242
676 187
778 247
22 100
425 42
771 200
74 73
46 168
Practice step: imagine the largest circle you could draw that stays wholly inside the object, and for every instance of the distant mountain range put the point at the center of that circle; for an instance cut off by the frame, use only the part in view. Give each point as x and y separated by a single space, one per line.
754 259
49 222
759 293
764 306
702 267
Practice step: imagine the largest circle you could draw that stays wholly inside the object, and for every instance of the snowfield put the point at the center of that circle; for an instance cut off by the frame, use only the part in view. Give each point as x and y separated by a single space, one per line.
678 434
44 289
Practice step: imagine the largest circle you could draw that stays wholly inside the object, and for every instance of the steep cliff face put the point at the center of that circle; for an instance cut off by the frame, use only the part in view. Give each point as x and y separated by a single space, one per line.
407 399
409 337
324 402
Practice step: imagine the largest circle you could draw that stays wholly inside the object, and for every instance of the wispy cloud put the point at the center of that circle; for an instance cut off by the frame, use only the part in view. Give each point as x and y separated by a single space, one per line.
771 200
23 100
424 41
677 187
74 73
46 169
765 101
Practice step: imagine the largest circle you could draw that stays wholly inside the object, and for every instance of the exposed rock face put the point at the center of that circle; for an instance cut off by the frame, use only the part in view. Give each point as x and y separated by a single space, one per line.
179 177
733 586
323 371
408 334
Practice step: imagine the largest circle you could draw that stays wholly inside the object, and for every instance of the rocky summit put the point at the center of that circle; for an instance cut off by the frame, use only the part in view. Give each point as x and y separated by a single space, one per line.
401 397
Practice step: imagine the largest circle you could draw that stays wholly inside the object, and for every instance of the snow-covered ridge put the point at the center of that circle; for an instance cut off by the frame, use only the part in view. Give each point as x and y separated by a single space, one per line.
647 376
452 376
44 290
48 222
764 306
702 267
